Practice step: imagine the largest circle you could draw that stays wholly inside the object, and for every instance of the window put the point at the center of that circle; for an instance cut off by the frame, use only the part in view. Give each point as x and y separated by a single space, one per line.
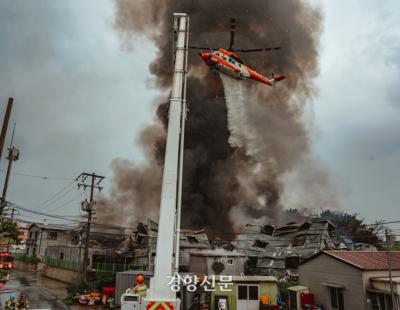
292 262
74 238
36 234
242 292
253 292
52 235
30 235
61 256
260 244
336 296
382 302
229 261
192 239
248 292
299 241
372 299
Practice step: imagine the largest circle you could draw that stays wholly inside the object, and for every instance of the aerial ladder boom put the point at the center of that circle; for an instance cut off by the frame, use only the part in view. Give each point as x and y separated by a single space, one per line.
169 220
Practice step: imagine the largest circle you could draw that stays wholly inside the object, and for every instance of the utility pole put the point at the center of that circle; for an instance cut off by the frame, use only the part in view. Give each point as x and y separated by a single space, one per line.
12 219
13 155
88 207
389 259
5 124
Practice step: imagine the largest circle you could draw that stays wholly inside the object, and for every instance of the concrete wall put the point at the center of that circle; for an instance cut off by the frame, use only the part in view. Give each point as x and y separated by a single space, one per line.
325 269
59 274
24 266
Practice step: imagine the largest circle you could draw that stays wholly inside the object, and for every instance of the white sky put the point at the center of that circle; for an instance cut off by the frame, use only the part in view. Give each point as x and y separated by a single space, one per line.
81 97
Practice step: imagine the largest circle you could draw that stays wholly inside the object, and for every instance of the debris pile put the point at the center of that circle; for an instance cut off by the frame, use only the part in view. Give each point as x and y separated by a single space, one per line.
278 250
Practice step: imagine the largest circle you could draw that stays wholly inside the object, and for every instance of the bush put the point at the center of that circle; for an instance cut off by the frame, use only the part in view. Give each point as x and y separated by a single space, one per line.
218 267
283 289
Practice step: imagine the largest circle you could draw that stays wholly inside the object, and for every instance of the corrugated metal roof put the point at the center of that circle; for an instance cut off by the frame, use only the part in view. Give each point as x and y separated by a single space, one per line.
367 260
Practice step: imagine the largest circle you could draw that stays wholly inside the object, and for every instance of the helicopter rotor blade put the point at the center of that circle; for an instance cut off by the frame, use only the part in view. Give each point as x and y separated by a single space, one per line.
233 29
201 48
267 49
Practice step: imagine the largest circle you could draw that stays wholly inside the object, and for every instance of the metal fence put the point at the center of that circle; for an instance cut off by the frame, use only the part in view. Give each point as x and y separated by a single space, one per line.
25 258
61 263
115 267
73 265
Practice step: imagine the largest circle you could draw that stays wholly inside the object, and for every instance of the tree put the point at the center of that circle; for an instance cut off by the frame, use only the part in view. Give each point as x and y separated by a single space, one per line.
218 267
8 230
352 226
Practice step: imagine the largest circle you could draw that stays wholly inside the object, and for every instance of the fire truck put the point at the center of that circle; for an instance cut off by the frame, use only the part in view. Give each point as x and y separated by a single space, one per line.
6 260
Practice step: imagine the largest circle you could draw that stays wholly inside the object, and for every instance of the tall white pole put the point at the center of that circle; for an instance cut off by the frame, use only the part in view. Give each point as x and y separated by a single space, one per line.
181 152
170 192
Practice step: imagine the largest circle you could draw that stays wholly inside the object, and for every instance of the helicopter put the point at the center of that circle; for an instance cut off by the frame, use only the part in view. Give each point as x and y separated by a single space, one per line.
228 62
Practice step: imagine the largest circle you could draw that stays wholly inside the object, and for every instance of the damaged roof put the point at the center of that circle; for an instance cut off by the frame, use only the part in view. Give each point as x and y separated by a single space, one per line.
273 245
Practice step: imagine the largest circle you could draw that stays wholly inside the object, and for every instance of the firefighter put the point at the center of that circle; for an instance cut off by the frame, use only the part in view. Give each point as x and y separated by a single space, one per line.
140 287
10 303
22 303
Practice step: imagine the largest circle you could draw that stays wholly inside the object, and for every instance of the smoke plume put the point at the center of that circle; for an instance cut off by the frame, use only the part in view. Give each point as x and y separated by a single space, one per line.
238 151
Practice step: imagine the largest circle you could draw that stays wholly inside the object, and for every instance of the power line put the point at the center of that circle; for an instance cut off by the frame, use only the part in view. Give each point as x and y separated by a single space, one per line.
132 228
57 196
38 176
43 214
65 203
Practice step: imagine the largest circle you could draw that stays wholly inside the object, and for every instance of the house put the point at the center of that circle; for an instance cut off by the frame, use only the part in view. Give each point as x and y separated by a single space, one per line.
201 262
350 279
61 245
145 239
41 237
278 250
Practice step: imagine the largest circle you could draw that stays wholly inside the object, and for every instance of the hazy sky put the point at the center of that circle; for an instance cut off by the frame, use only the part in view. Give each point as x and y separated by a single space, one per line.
81 97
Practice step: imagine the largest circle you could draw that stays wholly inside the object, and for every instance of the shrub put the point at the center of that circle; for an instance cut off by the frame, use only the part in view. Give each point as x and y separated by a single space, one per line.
218 267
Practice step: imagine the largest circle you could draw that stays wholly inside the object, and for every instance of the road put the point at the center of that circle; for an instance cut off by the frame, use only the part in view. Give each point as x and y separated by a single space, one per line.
42 293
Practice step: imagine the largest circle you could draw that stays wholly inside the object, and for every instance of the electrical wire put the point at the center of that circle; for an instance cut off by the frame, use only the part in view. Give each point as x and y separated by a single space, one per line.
60 194
65 203
131 228
37 176
56 194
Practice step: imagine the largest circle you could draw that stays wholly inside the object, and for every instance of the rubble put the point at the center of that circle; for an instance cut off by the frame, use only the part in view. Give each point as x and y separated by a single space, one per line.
278 250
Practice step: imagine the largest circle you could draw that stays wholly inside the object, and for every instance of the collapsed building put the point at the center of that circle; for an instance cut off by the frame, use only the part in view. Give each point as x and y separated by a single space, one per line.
257 250
145 243
278 250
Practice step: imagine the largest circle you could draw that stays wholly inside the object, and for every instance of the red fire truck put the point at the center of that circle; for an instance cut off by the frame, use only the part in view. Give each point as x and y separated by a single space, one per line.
6 260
